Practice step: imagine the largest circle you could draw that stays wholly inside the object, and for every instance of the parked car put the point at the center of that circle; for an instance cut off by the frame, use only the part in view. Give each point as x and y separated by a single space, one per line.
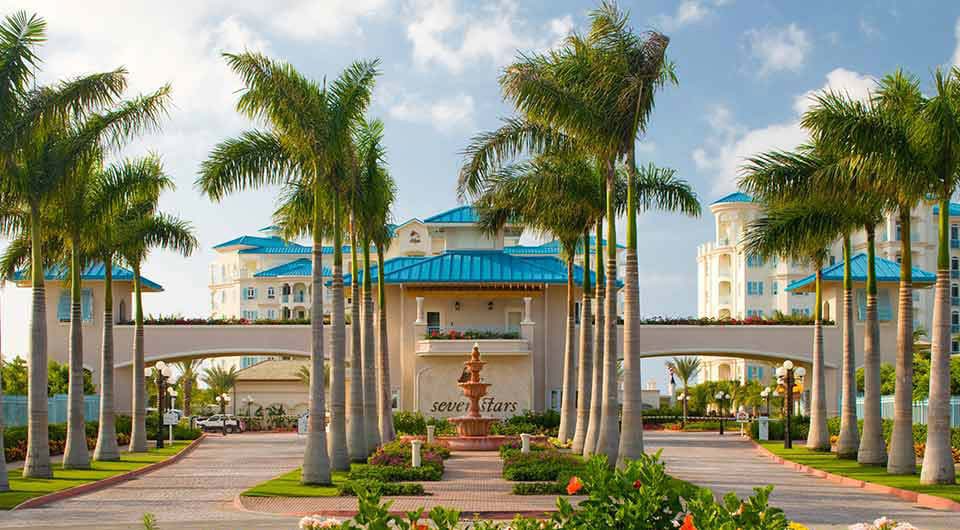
219 422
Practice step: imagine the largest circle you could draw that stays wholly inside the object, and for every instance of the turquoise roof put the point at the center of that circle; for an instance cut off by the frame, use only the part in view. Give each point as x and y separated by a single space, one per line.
561 267
294 248
887 271
954 209
734 197
480 266
299 267
389 265
550 248
92 272
460 214
256 241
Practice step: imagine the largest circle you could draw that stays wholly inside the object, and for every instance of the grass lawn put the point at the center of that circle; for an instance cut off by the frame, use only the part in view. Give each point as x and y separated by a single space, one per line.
288 485
22 489
850 468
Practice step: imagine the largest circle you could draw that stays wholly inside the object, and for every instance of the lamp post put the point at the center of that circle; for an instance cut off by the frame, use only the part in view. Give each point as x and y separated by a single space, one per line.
161 373
223 399
722 397
765 394
683 403
787 373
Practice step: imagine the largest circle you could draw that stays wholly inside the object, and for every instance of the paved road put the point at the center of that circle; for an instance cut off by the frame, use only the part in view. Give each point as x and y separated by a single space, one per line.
196 492
730 463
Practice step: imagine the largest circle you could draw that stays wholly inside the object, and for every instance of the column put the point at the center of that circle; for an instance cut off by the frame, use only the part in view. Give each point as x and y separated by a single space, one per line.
420 316
526 332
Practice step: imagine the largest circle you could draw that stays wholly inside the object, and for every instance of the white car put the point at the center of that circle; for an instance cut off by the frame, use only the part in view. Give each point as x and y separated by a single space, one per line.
219 422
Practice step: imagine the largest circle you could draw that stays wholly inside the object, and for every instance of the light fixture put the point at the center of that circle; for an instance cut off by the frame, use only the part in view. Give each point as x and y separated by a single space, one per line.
173 393
781 371
788 365
160 365
801 371
490 305
456 305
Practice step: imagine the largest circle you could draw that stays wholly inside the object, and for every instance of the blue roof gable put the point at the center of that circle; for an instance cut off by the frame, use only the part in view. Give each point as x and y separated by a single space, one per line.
256 241
389 266
460 214
299 267
93 272
887 272
734 197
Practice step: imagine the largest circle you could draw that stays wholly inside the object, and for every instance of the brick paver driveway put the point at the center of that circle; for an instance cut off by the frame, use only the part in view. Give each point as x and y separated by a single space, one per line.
196 492
730 463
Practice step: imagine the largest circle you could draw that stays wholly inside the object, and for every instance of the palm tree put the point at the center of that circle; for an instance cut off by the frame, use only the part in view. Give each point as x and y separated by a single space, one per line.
143 179
29 121
686 368
4 480
188 379
309 145
138 237
596 394
356 427
585 347
802 230
220 380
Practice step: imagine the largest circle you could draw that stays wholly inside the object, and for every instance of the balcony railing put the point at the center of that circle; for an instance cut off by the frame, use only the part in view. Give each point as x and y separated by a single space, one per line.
463 347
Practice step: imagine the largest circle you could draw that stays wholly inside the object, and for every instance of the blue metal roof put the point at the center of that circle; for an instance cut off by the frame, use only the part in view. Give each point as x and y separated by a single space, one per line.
294 248
460 214
93 272
559 266
954 209
887 272
550 248
389 265
734 197
254 241
299 267
480 266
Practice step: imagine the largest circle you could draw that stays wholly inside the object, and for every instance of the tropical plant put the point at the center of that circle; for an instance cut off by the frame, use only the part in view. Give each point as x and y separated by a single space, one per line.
221 380
189 372
686 368
307 150
141 232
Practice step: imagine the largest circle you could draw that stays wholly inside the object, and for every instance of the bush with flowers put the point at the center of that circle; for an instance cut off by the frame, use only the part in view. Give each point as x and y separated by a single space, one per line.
398 454
883 523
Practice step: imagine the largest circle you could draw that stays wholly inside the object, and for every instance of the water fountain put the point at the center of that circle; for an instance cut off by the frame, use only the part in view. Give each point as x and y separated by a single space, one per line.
473 424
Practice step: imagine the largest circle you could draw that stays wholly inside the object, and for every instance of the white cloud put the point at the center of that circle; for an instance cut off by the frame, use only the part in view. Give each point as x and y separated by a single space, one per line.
444 114
868 29
445 33
779 49
317 20
688 12
731 143
956 51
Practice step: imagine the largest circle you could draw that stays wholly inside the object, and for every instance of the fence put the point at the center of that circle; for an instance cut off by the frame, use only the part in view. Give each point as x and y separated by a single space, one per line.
15 409
919 409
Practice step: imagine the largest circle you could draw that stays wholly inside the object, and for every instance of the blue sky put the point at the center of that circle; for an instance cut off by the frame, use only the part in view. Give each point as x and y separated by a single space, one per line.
744 68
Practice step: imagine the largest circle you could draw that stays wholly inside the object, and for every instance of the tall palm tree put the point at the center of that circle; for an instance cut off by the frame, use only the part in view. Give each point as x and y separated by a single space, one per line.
596 394
585 348
309 146
802 230
356 426
188 379
4 480
220 380
137 238
143 179
29 119
686 369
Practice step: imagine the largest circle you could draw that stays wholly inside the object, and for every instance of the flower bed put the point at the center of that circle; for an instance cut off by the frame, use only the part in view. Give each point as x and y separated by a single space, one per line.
543 465
780 320
470 334
398 454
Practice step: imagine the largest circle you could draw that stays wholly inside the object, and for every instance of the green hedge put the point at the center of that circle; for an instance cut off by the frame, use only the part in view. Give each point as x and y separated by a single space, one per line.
539 488
389 489
799 427
919 431
415 424
395 473
541 466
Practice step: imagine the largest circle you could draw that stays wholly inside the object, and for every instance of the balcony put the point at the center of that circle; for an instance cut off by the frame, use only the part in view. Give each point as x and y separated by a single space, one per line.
285 298
298 298
463 347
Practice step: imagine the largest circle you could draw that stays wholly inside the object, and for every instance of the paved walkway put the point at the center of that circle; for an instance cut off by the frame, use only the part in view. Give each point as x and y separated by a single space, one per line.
196 492
471 482
730 463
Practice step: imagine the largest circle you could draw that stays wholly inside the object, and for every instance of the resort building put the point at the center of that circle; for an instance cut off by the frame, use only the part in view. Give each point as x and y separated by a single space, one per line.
733 284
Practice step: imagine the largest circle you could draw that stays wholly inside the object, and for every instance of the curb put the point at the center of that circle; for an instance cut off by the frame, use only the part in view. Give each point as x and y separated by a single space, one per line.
464 516
109 481
920 499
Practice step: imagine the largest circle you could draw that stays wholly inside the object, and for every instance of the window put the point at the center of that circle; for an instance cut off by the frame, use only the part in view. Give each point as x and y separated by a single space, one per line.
954 289
899 258
249 314
395 399
556 395
754 261
955 347
433 321
86 306
954 264
833 259
754 313
271 293
954 231
775 286
755 288
800 311
272 314
898 231
576 314
250 293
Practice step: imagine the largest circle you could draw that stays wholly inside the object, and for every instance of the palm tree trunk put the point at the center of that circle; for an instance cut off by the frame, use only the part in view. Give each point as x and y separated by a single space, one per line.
585 376
631 433
138 428
316 461
849 437
818 438
187 394
107 449
596 397
356 437
937 465
337 444
384 394
75 452
608 439
568 415
902 459
872 448
371 426
37 463
4 480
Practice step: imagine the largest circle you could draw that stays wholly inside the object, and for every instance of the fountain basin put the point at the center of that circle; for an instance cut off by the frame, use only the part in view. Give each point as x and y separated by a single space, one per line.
473 426
477 443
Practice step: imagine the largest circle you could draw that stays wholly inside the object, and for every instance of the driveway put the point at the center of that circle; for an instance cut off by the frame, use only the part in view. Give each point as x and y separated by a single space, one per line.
196 492
730 463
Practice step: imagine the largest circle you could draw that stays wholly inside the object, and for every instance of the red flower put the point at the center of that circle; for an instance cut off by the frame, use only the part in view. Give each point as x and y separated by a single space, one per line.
574 486
637 484
688 523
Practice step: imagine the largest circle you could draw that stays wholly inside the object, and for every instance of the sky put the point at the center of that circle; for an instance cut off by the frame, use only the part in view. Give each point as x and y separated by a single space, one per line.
745 68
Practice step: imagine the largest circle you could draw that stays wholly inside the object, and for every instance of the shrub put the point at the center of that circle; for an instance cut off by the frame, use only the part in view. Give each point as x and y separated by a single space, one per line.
799 427
396 473
546 423
540 466
390 489
398 453
539 488
515 446
919 431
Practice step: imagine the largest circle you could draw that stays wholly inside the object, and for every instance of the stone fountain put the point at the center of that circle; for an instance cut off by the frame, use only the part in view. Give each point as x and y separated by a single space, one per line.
473 424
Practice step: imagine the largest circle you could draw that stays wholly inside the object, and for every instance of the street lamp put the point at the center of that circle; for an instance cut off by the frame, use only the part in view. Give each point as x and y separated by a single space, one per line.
787 372
161 372
683 402
765 394
223 399
722 397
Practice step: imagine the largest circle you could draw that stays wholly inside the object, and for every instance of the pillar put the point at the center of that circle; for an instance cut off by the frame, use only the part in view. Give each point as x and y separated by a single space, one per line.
524 443
415 453
431 431
420 316
526 332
